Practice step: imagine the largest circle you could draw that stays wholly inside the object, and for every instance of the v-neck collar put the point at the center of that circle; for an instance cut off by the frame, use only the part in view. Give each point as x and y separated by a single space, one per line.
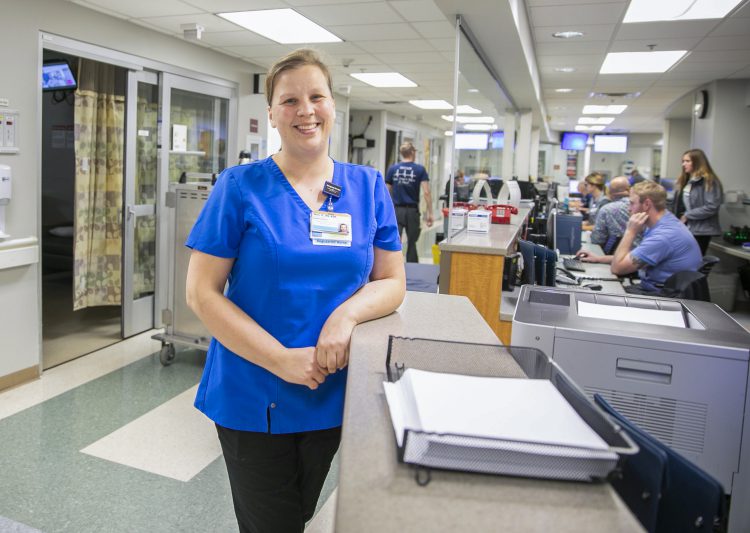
293 192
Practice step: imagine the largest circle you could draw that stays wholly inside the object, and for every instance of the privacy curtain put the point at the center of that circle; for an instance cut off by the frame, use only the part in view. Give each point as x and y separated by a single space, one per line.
99 152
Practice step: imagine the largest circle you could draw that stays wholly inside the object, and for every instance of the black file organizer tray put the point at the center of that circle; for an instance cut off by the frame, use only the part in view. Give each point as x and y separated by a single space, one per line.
488 360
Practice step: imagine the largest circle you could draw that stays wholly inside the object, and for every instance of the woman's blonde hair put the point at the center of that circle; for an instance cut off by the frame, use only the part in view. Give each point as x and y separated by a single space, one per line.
701 167
301 57
597 180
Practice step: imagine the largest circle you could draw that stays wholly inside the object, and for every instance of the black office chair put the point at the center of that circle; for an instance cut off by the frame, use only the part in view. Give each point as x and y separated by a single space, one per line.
709 261
690 499
688 285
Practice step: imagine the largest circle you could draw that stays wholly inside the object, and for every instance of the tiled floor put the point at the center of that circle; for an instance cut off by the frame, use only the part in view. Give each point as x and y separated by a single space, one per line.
110 442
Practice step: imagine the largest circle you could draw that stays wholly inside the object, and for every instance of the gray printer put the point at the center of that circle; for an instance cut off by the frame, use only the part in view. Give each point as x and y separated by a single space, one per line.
686 385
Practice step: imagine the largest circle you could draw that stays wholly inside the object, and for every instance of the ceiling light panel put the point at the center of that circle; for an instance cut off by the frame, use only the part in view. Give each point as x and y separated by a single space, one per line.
669 10
384 79
603 109
567 34
640 62
467 110
580 127
596 120
284 26
480 127
469 120
431 104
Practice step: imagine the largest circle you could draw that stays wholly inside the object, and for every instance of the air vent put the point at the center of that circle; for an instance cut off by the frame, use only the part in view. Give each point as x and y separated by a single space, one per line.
677 423
392 102
615 95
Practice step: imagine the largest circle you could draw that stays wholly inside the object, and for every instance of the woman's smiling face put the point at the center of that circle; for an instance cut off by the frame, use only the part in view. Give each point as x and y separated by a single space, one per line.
302 110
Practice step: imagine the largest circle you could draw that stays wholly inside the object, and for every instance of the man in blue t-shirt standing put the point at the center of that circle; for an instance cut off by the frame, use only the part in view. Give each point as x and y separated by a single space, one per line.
667 245
403 180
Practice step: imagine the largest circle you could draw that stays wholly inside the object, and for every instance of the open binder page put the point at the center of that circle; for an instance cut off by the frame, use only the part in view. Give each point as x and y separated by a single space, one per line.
632 314
510 409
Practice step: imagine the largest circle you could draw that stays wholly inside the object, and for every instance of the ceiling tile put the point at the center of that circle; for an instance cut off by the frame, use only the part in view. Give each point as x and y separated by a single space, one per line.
570 15
266 50
592 32
228 6
533 3
233 38
410 58
741 74
666 30
210 23
418 10
719 55
406 46
590 60
571 48
443 45
373 32
324 2
642 45
351 14
146 8
733 26
434 30
729 42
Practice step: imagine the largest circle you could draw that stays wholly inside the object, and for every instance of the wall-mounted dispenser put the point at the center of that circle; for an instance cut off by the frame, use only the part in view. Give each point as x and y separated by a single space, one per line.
5 189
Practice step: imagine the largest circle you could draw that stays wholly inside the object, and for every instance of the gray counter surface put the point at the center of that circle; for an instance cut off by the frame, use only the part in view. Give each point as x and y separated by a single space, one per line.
376 493
498 241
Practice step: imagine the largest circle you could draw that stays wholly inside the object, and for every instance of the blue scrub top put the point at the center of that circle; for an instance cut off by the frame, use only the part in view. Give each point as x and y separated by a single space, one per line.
287 285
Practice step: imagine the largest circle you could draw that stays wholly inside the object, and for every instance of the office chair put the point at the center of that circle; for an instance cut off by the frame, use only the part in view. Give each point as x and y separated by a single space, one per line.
709 261
642 476
688 285
690 499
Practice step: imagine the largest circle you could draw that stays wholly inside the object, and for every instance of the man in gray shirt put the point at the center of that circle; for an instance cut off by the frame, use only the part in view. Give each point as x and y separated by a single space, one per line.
612 218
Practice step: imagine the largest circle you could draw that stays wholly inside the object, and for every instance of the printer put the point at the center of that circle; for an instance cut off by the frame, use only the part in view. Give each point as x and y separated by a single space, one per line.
686 383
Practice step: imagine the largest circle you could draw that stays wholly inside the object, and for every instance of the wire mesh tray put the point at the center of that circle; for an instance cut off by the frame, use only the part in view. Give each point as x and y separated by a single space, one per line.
447 451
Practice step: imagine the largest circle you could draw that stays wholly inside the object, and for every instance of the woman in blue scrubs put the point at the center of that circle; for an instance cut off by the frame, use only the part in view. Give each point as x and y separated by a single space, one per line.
297 285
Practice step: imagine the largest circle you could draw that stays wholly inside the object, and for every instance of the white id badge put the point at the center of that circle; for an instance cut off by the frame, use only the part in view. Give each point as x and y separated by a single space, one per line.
330 229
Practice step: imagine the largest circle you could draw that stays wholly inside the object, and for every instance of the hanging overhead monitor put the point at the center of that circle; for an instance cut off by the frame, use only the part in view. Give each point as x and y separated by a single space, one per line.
611 144
497 140
471 141
57 76
573 140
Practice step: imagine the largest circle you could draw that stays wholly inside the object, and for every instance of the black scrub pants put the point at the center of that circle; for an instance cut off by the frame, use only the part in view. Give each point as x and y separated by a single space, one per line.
407 217
276 479
703 241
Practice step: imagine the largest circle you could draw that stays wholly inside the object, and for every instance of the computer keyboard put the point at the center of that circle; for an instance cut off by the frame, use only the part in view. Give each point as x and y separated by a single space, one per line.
573 264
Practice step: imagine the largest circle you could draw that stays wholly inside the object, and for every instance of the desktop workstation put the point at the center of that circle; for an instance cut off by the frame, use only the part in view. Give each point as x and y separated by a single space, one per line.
377 493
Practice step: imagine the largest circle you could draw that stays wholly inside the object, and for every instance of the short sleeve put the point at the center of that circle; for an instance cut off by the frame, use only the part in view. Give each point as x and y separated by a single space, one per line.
219 227
386 233
425 176
652 251
389 175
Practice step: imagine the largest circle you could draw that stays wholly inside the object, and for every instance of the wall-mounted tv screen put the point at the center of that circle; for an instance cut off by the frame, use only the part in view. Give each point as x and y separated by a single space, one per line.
57 76
573 140
471 141
497 140
613 144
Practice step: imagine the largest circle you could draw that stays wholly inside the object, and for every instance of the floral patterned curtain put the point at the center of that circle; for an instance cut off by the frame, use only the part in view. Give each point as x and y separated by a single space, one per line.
99 152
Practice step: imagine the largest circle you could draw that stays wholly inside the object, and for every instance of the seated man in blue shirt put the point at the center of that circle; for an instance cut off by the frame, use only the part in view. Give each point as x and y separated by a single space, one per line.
666 246
612 219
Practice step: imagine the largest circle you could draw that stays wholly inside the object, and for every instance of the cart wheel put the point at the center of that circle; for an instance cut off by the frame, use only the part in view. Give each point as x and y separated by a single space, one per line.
166 354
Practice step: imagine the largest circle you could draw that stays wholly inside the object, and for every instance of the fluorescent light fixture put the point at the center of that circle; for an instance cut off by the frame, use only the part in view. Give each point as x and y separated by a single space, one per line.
469 120
564 69
430 104
467 110
480 127
564 90
284 26
567 34
449 133
472 90
640 62
603 109
580 127
667 10
384 79
596 120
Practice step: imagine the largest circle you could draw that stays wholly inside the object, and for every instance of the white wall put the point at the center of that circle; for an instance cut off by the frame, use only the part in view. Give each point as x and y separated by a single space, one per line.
724 135
20 55
676 142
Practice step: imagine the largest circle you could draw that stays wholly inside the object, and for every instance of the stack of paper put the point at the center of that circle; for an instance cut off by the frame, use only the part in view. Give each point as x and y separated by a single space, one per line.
512 426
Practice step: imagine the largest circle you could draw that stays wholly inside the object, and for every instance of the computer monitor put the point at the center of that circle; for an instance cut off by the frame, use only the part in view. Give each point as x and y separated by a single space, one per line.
571 140
611 144
573 188
471 141
57 76
667 183
528 191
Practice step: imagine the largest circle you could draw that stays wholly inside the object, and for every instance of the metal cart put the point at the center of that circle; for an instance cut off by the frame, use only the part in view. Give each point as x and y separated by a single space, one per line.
182 327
